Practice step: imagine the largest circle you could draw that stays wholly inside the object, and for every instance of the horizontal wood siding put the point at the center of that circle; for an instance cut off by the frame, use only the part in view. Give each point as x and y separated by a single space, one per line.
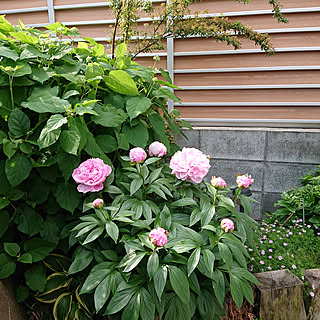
214 76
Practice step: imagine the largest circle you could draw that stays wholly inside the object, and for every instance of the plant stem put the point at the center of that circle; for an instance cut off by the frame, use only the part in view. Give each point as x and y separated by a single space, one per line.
115 31
11 91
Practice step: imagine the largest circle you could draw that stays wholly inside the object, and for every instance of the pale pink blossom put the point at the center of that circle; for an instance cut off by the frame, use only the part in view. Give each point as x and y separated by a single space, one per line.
158 236
137 155
244 181
98 203
91 174
227 225
157 149
190 164
218 183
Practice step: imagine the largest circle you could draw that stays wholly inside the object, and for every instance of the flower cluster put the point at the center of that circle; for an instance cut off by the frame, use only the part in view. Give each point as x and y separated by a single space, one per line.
190 164
158 236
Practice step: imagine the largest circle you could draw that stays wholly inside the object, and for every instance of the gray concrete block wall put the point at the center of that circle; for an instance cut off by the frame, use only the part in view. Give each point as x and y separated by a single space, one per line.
276 158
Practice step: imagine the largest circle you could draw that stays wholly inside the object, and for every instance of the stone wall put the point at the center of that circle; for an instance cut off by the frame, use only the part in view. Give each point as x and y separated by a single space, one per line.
275 157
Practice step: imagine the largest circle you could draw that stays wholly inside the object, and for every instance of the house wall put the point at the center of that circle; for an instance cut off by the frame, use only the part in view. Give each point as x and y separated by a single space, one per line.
275 158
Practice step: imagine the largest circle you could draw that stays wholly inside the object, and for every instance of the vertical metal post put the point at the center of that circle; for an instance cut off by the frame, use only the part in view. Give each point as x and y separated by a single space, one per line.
51 14
170 63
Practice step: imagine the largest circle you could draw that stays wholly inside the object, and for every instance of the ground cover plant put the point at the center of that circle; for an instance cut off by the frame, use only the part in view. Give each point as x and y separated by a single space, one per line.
91 228
302 202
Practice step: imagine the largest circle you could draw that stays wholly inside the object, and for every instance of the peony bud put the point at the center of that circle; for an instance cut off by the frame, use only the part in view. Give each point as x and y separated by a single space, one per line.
244 181
227 225
158 236
137 155
98 203
157 149
218 183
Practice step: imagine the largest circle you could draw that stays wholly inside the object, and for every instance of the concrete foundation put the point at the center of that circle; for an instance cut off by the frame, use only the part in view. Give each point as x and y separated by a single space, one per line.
276 158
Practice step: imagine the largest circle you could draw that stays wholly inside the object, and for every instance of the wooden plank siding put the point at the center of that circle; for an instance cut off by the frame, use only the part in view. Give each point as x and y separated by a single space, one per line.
219 82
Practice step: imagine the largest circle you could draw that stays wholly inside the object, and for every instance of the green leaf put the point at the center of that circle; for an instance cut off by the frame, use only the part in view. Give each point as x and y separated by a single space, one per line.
18 123
121 82
180 284
8 53
236 291
56 121
96 275
36 277
193 260
153 264
4 222
178 310
159 129
137 105
46 103
219 286
94 150
209 258
147 306
4 203
29 221
109 116
7 266
120 50
22 293
138 135
183 202
24 37
131 311
17 169
107 143
12 249
119 300
112 230
134 261
82 259
207 215
62 306
67 196
225 253
67 163
93 235
160 279
25 258
9 147
41 74
70 140
135 185
38 248
47 138
102 293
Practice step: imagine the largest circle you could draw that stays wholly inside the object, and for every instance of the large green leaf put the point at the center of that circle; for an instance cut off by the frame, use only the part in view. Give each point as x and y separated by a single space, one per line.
120 299
67 163
41 74
109 116
17 169
18 123
107 143
193 260
153 264
7 266
47 138
121 82
8 53
112 230
36 277
131 311
4 183
46 103
93 149
137 105
147 306
178 310
70 140
159 129
29 221
82 259
102 293
4 222
236 292
138 135
180 284
38 248
62 307
67 196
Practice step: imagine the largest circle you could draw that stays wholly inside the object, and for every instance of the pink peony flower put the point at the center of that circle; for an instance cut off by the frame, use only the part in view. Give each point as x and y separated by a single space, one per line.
137 155
244 181
158 236
98 203
227 225
218 183
157 149
90 175
190 164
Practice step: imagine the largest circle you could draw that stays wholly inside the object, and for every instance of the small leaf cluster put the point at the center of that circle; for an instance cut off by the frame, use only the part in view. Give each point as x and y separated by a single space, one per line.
61 104
129 277
301 202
